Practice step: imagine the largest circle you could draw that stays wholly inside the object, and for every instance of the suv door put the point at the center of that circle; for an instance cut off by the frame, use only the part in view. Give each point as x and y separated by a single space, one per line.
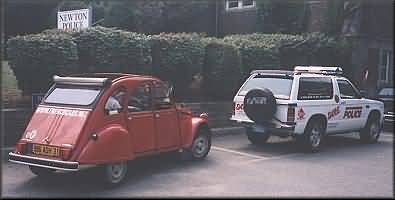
140 118
166 120
352 109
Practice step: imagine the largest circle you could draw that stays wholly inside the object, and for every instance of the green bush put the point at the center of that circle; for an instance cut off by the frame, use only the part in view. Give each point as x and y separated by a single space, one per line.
36 58
103 49
221 70
260 51
177 58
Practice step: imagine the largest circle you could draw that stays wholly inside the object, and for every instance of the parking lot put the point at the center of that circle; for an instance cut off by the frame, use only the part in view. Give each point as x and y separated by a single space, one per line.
234 168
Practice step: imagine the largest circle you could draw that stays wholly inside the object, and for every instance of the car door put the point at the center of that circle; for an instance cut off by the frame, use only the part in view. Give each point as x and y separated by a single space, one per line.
140 118
166 120
352 109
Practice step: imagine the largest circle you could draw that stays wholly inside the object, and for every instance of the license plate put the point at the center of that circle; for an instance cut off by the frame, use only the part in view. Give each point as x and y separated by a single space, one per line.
45 150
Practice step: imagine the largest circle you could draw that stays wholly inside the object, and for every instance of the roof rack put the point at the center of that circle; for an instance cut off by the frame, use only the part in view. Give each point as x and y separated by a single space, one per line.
276 72
81 81
319 70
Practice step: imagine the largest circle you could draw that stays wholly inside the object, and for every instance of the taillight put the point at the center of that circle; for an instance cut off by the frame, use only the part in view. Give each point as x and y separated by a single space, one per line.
233 108
20 147
291 114
66 153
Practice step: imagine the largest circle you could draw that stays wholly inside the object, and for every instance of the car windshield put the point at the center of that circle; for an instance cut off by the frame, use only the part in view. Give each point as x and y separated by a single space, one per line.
72 96
387 92
280 86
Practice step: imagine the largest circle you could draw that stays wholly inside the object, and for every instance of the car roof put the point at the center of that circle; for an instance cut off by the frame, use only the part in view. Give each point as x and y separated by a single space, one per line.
291 73
114 76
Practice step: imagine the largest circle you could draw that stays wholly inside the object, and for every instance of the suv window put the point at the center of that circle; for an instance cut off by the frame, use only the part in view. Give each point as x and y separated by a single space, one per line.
315 88
347 91
140 100
279 85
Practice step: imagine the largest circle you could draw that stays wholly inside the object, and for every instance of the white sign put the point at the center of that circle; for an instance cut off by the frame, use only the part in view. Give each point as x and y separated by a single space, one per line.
74 20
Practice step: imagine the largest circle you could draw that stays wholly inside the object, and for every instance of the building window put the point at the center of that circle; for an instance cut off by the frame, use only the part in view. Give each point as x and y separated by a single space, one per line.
384 65
239 4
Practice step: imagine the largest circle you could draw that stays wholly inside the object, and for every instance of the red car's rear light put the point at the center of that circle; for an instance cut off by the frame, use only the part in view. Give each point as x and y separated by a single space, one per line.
20 147
65 153
291 114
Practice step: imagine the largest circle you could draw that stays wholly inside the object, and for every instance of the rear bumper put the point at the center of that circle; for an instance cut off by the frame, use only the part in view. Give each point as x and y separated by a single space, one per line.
43 162
282 130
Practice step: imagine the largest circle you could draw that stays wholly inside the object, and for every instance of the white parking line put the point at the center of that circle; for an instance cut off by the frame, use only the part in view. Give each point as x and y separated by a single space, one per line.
238 153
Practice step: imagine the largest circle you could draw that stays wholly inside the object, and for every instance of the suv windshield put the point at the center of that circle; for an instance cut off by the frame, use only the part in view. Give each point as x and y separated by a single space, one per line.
80 96
279 85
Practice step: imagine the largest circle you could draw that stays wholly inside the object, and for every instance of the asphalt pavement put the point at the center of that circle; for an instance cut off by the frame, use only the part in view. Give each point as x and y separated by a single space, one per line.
234 168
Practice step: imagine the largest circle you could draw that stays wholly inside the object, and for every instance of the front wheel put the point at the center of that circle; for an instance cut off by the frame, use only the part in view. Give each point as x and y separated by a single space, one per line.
114 173
200 147
371 132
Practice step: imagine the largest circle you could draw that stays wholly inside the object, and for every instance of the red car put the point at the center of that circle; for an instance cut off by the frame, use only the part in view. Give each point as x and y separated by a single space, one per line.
106 119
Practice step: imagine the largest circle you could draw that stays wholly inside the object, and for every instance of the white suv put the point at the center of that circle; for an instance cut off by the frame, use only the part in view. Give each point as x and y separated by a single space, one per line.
307 103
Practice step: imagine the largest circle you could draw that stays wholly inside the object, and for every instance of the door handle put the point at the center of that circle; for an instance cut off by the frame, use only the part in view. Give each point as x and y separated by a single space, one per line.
157 115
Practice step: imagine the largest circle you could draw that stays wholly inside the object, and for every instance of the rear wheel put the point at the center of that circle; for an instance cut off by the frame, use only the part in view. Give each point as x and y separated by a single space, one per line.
257 138
41 172
371 132
311 140
114 173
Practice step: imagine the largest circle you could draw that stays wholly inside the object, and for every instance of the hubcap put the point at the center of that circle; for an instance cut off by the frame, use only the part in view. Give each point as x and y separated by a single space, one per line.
315 137
117 172
200 146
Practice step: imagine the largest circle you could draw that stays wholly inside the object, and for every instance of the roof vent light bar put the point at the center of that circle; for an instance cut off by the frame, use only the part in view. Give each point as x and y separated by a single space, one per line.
319 70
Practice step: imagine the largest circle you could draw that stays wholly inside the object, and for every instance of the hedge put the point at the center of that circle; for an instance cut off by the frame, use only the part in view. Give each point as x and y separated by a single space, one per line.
221 69
36 58
274 51
177 58
103 49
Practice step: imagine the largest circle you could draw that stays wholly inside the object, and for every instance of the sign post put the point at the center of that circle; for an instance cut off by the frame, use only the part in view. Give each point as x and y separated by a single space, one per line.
75 20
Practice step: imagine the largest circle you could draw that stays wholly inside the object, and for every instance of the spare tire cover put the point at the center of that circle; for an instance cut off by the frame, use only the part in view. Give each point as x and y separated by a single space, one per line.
260 105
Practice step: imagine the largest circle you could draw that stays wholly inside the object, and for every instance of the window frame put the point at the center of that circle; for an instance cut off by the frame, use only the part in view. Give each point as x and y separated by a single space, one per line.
240 5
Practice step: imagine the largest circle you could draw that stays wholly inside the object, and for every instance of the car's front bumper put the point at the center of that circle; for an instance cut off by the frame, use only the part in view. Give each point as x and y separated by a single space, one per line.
389 117
43 162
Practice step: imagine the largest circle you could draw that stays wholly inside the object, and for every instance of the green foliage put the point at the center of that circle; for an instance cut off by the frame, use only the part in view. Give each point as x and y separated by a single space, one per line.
221 70
103 49
282 16
260 51
177 58
36 58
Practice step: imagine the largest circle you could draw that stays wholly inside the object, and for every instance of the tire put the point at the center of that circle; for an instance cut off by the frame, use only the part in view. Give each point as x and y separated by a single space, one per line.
311 140
371 132
257 138
260 105
114 173
42 172
200 147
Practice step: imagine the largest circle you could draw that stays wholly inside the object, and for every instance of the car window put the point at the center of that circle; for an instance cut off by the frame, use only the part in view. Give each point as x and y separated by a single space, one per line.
387 92
140 99
279 86
115 101
72 96
347 90
161 95
315 88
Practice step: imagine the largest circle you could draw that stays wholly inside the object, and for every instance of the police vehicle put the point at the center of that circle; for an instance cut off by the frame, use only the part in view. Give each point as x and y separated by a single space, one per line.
307 104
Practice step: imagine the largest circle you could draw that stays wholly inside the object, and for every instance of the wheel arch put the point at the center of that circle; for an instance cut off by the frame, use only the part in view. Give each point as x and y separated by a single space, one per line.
373 113
320 117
